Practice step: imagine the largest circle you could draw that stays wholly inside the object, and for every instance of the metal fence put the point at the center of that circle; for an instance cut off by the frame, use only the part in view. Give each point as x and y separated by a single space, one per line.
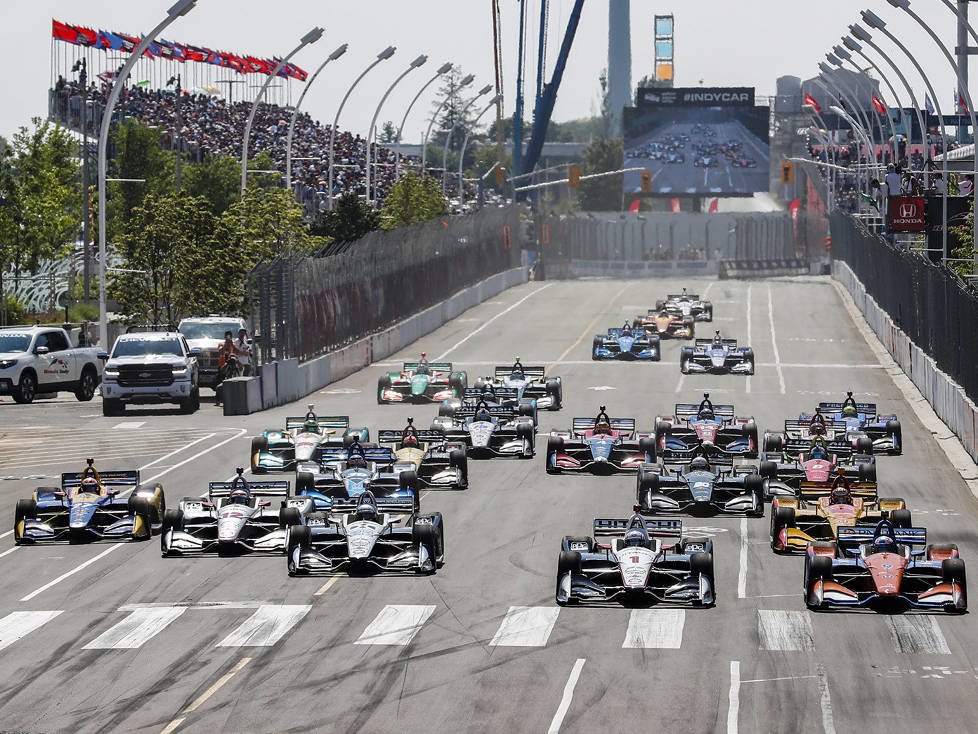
306 306
926 300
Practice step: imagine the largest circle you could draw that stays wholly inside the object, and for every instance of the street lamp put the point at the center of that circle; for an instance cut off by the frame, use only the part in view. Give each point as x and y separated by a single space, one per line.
311 37
861 126
864 114
295 113
382 56
825 138
843 53
443 69
181 8
420 61
424 143
448 139
465 142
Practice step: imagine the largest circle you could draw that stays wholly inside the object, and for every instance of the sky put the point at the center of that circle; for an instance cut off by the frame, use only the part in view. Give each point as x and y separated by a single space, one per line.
718 43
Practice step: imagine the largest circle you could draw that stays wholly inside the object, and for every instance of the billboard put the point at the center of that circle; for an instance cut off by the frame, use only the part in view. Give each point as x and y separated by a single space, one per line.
697 141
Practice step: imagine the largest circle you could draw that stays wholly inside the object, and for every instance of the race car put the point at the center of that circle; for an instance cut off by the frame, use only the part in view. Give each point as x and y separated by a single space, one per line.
421 382
301 441
706 424
530 382
627 561
707 485
666 324
716 356
864 419
368 534
878 567
626 343
798 434
349 472
435 461
507 398
87 506
815 465
600 445
817 516
237 517
489 431
687 304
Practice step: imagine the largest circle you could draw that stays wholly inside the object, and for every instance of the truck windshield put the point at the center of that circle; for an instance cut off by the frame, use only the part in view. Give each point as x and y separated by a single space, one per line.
14 342
139 347
209 330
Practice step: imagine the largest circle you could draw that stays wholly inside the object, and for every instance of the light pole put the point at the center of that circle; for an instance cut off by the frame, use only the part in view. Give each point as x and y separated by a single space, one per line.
868 117
424 143
465 142
852 98
295 113
857 129
964 28
843 53
382 56
311 37
448 139
418 62
181 8
443 69
826 142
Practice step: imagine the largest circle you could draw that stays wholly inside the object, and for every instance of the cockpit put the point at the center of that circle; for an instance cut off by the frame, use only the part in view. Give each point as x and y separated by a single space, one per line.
602 423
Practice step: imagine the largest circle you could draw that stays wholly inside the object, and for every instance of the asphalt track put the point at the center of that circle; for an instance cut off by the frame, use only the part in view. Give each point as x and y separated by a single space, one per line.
113 638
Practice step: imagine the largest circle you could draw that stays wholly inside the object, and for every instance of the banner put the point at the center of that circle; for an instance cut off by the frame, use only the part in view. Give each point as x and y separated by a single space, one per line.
907 214
697 97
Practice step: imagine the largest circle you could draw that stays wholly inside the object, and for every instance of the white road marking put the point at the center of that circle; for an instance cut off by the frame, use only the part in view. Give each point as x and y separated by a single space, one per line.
72 572
785 631
266 626
9 551
679 385
733 698
742 575
917 635
199 701
140 626
774 339
602 388
472 333
565 700
655 628
783 677
396 624
526 627
20 624
192 605
130 424
749 342
825 701
667 363
340 391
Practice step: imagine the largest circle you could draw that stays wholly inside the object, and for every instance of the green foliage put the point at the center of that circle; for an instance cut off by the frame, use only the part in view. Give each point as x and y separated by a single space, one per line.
137 154
602 194
964 236
217 179
388 133
350 220
413 200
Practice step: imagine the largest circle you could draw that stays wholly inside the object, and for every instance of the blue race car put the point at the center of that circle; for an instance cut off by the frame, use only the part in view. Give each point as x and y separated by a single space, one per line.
864 419
301 441
716 356
627 344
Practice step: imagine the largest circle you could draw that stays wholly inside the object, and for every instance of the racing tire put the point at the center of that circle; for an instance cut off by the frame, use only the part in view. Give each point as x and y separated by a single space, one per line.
172 520
782 517
300 536
647 445
457 458
26 510
567 562
113 407
155 513
953 570
527 433
662 428
755 484
86 385
708 314
773 442
555 445
749 358
645 483
348 440
555 392
408 481
595 344
527 411
893 428
768 469
864 445
383 383
819 569
455 382
702 564
683 364
901 519
749 430
259 445
940 547
305 482
430 537
867 472
446 411
480 382
289 516
139 507
26 389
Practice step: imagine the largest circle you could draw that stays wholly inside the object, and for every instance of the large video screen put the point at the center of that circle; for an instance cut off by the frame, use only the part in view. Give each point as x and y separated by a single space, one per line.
697 141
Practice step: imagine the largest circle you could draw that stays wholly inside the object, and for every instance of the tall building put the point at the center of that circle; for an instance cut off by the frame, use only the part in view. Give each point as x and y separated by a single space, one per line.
619 58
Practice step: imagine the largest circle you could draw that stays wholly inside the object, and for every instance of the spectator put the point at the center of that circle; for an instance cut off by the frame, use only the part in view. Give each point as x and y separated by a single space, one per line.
966 186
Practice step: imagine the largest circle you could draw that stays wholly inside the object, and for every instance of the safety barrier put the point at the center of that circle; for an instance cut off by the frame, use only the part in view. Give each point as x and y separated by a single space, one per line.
560 269
762 268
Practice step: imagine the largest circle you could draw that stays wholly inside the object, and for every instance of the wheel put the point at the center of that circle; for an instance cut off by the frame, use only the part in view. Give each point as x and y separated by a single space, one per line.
867 472
113 406
773 442
750 431
458 459
305 482
646 482
754 483
555 445
555 392
155 514
259 445
480 382
348 440
894 429
864 445
768 469
901 519
749 359
289 516
446 410
427 535
659 304
26 510
383 383
647 445
191 403
86 385
526 432
568 562
702 564
782 517
952 569
455 382
141 509
172 520
300 536
408 481
27 389
595 345
819 569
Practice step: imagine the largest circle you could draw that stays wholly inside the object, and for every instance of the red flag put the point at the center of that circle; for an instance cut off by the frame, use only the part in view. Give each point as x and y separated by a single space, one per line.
63 32
674 203
878 104
959 100
810 100
794 207
714 206
633 208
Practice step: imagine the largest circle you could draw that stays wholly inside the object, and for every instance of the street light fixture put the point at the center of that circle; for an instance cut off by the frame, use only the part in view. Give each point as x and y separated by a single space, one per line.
443 69
178 10
840 80
448 139
843 53
311 37
863 126
295 113
382 56
465 81
465 142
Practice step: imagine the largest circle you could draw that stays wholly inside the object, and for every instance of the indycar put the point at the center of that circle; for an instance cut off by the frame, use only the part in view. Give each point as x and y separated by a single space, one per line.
626 343
817 515
717 356
301 441
600 445
530 383
237 517
506 398
436 461
368 534
666 324
687 304
798 434
704 486
421 382
878 567
816 465
489 431
863 419
87 506
351 471
627 560
708 425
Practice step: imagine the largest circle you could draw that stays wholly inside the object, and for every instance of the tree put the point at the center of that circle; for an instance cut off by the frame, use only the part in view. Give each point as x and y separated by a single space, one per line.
413 200
348 222
602 194
451 93
137 153
217 179
388 133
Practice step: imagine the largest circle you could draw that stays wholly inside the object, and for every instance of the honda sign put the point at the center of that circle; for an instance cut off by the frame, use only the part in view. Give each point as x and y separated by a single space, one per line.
907 214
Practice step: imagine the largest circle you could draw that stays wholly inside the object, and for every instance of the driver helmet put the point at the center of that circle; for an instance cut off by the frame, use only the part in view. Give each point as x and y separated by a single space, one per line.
841 495
818 451
517 367
635 539
483 414
817 426
366 511
664 313
626 330
717 339
706 413
849 410
311 425
699 463
356 459
409 438
884 544
602 424
239 496
89 485
423 365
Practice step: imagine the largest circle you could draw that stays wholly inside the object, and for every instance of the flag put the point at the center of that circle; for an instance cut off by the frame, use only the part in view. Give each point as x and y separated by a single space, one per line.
63 32
634 206
810 100
928 105
143 83
960 103
111 40
878 104
674 204
714 206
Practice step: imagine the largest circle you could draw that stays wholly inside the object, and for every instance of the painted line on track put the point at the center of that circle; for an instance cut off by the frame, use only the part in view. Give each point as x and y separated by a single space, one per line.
173 725
742 575
587 330
825 701
72 572
733 698
774 340
566 699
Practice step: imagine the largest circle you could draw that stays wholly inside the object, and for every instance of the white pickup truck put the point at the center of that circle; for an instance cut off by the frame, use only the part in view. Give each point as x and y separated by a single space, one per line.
41 359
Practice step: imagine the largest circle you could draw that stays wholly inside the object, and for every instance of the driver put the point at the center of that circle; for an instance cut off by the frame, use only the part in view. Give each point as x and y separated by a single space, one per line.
818 450
482 412
717 339
240 495
355 458
636 539
89 485
409 436
517 367
602 424
699 463
626 330
423 368
311 424
884 543
706 409
366 511
816 426
849 410
841 494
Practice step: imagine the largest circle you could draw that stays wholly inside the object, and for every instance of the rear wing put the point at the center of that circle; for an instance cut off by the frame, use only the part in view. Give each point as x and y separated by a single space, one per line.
814 490
392 505
72 480
617 424
638 333
691 410
868 408
858 535
611 528
804 425
393 436
376 454
440 366
278 488
683 296
494 411
709 342
329 421
533 372
717 458
475 394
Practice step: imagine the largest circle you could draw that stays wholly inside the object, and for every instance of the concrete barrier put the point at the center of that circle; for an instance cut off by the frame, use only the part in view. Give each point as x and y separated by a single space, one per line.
629 268
242 395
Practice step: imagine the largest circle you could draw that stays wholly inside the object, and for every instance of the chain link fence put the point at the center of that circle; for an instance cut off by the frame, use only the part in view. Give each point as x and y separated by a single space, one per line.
306 306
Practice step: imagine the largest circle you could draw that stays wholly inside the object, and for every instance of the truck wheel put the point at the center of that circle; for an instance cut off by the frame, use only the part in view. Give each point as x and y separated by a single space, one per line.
191 403
86 385
113 406
24 392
